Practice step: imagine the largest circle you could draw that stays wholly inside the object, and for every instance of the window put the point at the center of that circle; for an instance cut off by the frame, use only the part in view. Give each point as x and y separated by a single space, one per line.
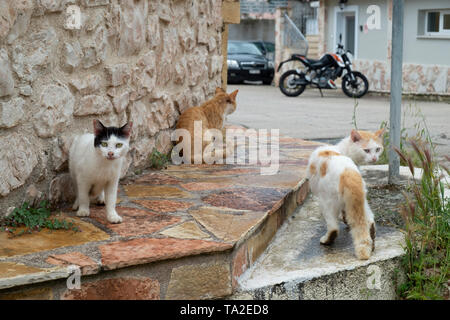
437 22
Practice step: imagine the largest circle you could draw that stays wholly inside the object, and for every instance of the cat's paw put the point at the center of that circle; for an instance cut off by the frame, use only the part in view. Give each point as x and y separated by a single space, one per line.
114 217
363 252
83 212
100 201
329 237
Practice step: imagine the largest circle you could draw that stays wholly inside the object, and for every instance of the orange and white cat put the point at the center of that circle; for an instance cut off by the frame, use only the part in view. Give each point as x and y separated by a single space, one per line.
212 115
335 180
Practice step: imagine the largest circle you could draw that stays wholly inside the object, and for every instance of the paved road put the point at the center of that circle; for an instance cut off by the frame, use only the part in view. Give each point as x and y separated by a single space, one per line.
310 116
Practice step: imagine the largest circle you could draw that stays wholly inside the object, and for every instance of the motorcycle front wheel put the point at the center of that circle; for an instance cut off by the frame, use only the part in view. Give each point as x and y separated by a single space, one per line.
356 88
289 83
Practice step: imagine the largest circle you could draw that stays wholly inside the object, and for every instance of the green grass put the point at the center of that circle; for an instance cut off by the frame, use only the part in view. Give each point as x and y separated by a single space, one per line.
427 220
421 133
426 212
33 219
158 160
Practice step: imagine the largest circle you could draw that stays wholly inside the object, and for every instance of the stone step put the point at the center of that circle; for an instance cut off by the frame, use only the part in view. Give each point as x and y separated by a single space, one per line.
296 266
188 232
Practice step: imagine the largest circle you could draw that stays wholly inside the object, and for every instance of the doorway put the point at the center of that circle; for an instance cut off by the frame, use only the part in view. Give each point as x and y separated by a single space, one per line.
346 21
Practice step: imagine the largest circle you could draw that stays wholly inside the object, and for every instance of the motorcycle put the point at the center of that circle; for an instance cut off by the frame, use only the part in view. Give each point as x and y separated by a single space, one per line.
322 73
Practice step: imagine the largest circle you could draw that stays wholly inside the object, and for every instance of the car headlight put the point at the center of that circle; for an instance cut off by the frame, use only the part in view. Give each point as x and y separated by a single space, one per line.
271 65
232 64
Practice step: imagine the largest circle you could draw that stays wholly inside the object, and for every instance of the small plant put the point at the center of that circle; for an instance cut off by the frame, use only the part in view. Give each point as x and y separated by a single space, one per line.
421 134
33 219
158 160
427 220
355 106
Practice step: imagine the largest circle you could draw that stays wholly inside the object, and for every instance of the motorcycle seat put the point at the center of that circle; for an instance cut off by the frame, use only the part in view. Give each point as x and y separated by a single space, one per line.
316 64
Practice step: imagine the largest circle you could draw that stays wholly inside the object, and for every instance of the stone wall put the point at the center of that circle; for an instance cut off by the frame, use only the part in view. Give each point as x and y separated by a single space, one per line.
139 60
417 78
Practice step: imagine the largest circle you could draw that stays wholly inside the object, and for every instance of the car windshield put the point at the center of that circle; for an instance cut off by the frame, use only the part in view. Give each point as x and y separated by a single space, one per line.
242 47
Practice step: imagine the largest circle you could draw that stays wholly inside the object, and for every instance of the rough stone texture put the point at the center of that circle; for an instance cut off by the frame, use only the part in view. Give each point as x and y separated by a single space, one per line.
56 110
49 239
93 105
143 61
116 289
199 282
166 224
141 191
28 294
139 251
62 189
86 264
417 78
87 85
187 230
297 266
11 112
17 161
164 206
135 222
6 78
229 226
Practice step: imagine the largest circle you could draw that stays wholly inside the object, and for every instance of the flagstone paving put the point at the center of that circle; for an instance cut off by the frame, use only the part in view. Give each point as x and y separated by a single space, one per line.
181 211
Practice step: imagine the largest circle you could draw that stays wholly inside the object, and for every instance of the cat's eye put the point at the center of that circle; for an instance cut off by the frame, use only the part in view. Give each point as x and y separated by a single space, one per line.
119 145
378 149
104 144
367 150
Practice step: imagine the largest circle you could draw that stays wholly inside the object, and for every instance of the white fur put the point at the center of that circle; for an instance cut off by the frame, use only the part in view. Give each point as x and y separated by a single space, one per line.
94 175
326 189
356 152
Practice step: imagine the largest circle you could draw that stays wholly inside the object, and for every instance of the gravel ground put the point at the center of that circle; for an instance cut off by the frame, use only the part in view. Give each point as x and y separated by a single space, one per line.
385 200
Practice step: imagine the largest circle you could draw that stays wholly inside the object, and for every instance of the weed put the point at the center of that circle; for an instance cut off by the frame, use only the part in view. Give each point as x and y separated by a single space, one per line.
427 220
158 160
422 134
33 219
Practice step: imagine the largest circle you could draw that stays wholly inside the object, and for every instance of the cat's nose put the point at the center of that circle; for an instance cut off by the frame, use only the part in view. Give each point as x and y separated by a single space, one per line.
110 154
374 159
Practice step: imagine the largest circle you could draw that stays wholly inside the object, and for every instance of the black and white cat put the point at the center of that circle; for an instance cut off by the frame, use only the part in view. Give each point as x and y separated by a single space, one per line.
95 162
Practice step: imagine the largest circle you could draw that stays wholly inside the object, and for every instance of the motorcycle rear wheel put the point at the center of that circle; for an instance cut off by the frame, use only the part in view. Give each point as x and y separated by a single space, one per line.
288 86
357 89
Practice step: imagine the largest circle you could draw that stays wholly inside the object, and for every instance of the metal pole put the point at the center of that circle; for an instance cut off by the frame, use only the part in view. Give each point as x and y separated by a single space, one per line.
396 89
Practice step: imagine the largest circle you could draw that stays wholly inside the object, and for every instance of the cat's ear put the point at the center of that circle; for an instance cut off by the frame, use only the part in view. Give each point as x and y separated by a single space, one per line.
233 95
98 127
126 129
380 132
355 136
219 90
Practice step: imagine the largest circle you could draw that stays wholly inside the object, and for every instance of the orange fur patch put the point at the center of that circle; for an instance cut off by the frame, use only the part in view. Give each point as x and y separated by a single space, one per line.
323 168
328 153
351 187
312 169
367 136
211 113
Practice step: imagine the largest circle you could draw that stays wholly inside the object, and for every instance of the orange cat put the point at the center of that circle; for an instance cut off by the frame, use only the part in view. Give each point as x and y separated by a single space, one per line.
212 115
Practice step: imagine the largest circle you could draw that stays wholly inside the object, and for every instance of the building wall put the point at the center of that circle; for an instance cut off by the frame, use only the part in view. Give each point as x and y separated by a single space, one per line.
131 60
368 43
250 29
426 68
421 50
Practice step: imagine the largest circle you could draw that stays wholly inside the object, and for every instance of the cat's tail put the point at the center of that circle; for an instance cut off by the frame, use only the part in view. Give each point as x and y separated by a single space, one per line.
351 187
